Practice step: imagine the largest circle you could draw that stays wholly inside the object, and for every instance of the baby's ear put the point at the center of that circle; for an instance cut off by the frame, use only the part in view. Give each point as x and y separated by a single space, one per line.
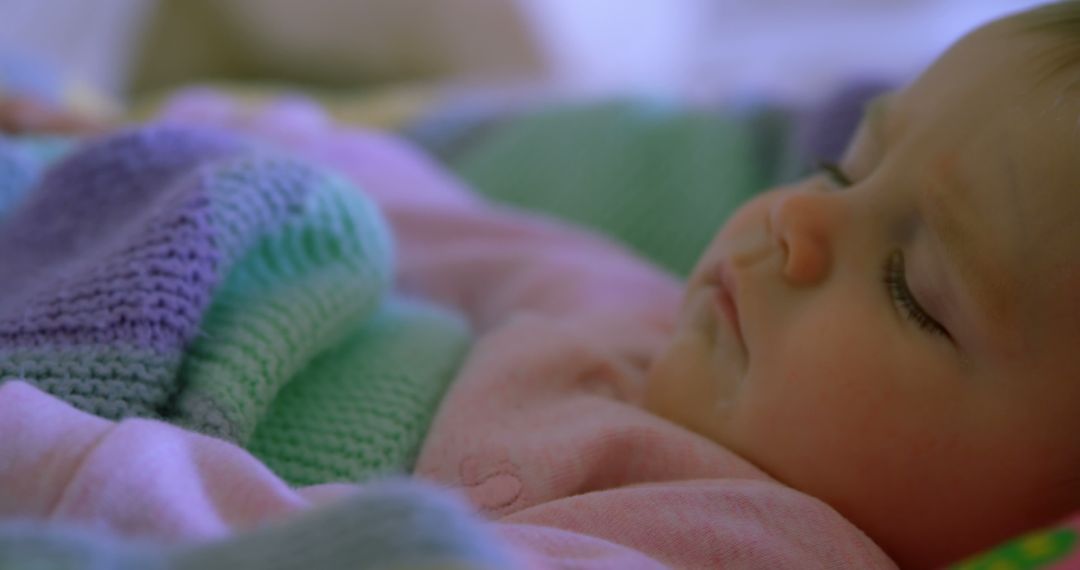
21 115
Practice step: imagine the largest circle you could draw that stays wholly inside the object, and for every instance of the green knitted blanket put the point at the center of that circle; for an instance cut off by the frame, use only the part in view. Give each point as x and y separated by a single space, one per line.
190 276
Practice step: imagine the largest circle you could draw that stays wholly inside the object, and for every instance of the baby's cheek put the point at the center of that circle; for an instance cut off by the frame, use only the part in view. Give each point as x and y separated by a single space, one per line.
826 394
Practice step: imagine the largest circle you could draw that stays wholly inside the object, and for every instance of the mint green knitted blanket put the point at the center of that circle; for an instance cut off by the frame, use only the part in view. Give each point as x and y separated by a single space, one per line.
193 277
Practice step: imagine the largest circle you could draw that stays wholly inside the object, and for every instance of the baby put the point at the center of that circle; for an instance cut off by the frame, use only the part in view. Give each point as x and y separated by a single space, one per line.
885 346
897 335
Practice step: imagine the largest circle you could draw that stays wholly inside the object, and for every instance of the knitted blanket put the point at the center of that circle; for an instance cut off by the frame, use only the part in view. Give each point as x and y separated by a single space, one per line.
194 277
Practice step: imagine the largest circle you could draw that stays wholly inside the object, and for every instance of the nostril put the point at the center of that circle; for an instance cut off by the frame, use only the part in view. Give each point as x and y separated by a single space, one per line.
783 245
805 261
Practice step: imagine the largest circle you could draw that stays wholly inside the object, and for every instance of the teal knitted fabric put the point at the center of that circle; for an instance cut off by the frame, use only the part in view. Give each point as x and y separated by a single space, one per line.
660 178
189 276
312 259
379 377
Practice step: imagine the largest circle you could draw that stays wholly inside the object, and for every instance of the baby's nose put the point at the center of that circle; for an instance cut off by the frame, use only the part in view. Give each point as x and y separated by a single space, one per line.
803 227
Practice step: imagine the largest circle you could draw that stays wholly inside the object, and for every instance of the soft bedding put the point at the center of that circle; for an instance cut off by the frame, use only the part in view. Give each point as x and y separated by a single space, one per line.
164 484
84 493
226 392
188 276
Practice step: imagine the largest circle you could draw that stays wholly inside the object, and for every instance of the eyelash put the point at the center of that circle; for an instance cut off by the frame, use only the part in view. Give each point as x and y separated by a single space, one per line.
835 173
893 275
896 283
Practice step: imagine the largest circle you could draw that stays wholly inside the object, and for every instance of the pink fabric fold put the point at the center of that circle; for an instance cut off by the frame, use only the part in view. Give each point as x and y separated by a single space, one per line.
146 479
137 477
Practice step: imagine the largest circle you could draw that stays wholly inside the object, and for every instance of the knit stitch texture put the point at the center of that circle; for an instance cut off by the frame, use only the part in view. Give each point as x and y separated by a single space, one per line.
190 276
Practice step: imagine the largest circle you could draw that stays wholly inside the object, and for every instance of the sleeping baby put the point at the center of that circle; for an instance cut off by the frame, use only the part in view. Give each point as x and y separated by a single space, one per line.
894 336
870 367
897 335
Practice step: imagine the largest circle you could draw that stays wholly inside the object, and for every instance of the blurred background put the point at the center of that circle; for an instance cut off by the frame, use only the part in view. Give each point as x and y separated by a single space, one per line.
647 120
711 49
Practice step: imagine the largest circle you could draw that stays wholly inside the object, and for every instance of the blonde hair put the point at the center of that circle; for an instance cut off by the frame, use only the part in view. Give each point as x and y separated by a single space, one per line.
1062 20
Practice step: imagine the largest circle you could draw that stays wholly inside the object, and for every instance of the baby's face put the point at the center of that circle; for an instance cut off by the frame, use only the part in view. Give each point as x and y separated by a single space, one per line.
905 347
